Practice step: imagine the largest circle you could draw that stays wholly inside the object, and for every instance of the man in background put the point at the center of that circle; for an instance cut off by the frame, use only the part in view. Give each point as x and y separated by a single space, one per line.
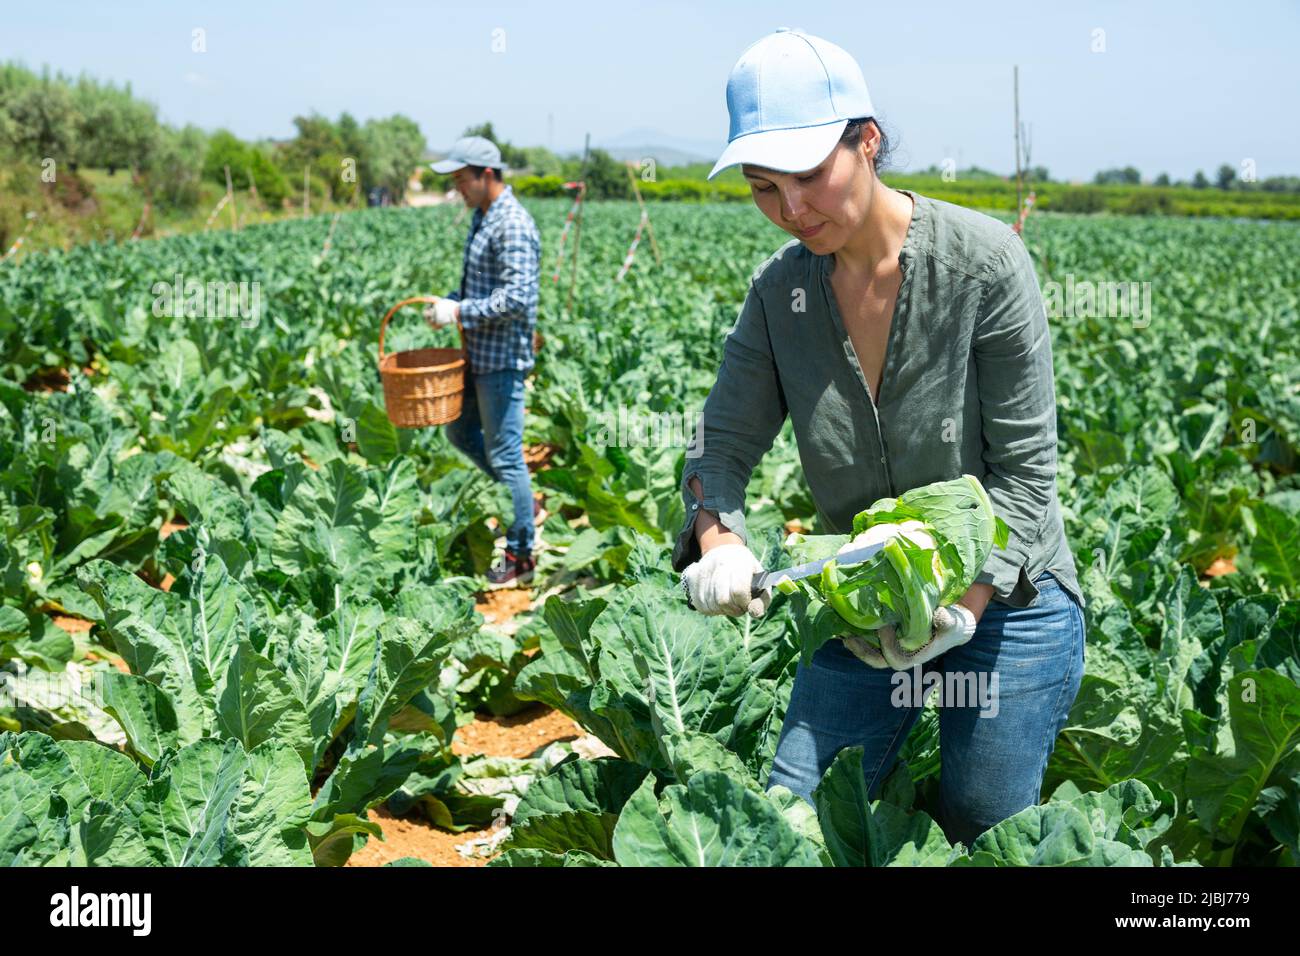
496 307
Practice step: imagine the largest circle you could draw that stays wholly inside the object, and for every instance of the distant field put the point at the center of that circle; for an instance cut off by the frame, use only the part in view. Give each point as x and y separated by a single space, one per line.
690 183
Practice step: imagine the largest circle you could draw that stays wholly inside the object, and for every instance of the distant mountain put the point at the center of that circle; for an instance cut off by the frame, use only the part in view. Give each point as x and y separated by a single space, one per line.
666 148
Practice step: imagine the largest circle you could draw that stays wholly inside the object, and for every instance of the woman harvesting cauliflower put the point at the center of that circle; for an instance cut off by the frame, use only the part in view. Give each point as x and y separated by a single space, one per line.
906 340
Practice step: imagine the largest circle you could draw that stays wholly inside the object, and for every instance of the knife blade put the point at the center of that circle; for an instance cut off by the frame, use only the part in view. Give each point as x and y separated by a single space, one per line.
767 579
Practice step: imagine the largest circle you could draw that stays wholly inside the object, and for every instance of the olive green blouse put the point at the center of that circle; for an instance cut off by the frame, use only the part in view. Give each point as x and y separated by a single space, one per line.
967 388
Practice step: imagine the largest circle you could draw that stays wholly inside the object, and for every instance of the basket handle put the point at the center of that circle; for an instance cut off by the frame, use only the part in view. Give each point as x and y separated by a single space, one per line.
383 326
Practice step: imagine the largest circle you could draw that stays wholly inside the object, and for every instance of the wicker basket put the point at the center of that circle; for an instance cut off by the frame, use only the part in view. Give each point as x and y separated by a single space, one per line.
422 387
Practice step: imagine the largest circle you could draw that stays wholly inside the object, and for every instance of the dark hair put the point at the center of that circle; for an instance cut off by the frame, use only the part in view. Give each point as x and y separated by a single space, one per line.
478 171
852 138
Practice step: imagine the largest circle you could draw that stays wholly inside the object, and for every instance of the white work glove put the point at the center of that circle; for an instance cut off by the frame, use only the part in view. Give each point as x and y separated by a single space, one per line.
441 313
720 582
953 625
861 649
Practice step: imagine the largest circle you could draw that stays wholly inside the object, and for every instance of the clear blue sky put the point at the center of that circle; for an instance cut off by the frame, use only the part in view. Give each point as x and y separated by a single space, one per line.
1181 86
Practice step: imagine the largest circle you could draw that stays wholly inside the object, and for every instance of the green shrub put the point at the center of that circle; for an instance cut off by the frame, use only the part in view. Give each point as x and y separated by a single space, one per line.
1076 199
1147 203
225 149
542 187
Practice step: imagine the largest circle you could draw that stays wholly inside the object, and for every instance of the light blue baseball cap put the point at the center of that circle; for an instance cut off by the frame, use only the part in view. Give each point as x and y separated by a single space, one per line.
790 95
469 151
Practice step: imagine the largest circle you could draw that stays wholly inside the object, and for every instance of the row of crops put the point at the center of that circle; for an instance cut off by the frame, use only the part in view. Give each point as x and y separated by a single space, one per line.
276 588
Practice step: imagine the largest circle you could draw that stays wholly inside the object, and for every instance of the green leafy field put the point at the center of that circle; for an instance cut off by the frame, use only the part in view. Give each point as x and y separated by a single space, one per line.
318 645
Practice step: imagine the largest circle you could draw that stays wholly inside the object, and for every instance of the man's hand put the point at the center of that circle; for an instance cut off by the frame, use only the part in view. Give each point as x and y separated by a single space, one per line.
442 313
952 626
719 583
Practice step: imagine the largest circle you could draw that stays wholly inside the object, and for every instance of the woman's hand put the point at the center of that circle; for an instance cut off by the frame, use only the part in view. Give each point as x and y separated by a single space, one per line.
977 598
720 582
954 625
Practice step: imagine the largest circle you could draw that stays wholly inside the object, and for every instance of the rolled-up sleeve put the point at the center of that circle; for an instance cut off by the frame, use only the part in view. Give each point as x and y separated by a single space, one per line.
741 418
1013 357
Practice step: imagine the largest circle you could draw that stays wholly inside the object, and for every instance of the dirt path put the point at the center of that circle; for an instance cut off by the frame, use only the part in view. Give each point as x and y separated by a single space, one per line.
521 735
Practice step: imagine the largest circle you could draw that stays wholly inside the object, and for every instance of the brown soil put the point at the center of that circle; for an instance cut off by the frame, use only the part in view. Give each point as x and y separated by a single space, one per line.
1220 567
73 625
48 380
538 457
171 527
794 527
522 735
501 605
116 661
412 836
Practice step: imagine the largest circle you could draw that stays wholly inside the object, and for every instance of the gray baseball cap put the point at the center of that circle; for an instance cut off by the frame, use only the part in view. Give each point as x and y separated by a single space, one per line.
470 151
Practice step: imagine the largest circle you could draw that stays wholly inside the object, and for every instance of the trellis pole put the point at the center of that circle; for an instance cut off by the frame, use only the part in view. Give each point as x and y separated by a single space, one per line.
230 191
329 238
654 246
577 246
18 243
568 224
577 233
212 217
1015 92
144 214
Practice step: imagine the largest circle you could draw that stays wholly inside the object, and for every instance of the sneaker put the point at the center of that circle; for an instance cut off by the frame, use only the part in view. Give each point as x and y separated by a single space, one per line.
512 570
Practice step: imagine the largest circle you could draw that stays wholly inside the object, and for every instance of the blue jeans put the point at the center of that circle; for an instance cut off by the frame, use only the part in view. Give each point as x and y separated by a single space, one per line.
490 431
1029 662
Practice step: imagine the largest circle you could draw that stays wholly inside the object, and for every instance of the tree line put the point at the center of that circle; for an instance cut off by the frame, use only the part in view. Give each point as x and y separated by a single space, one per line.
52 123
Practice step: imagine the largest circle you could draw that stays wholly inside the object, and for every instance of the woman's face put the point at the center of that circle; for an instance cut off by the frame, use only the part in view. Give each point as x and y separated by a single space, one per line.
824 206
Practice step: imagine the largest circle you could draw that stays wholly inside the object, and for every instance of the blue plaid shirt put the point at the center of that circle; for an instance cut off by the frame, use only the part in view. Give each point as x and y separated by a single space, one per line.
499 285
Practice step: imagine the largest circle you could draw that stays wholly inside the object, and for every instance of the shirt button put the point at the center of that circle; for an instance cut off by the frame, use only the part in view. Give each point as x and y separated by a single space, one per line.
882 459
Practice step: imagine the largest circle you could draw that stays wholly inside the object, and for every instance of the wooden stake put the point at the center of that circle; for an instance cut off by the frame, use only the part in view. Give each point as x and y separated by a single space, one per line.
148 203
221 204
252 189
577 226
330 236
230 191
648 224
1015 82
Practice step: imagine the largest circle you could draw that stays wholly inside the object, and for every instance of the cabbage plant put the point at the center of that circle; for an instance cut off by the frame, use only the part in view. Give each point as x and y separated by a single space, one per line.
936 539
